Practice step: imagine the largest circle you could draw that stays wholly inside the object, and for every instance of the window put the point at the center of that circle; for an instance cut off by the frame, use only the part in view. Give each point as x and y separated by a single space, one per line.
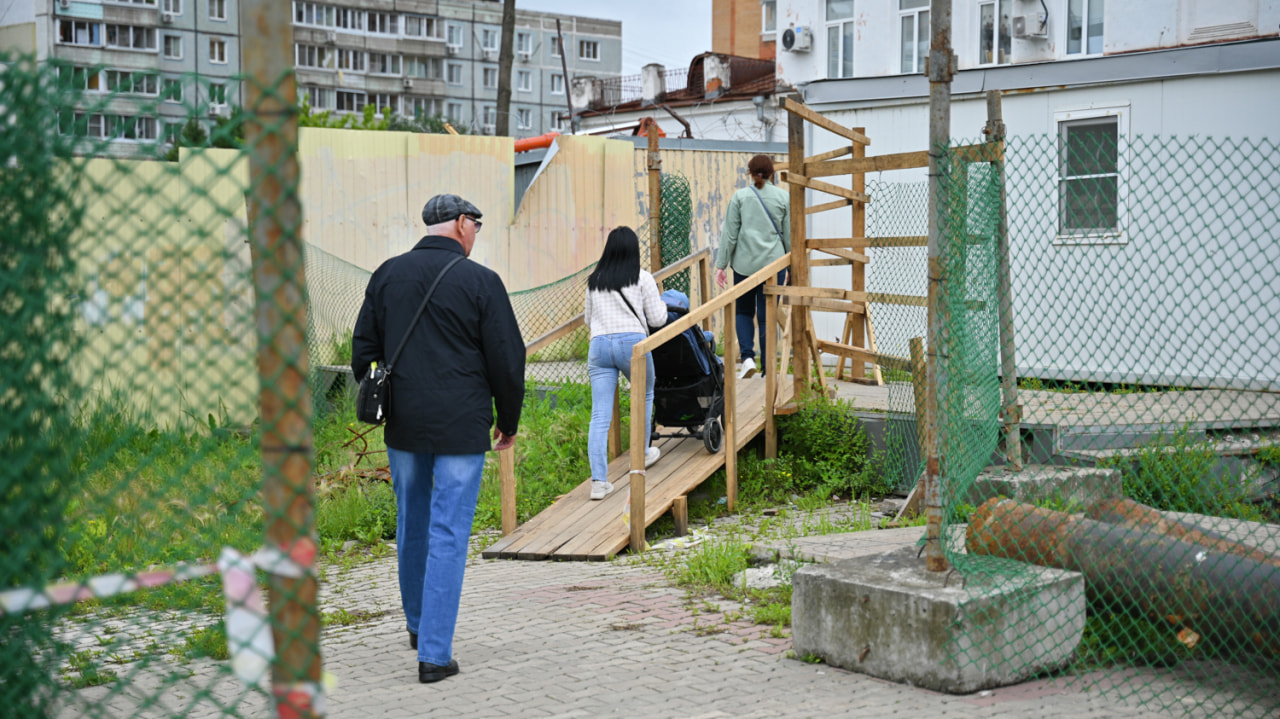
383 23
79 124
383 63
172 90
173 47
839 38
588 50
172 131
132 128
993 32
421 26
217 9
173 7
349 19
421 106
524 43
79 32
1084 26
217 93
453 35
131 37
454 113
79 78
490 117
453 74
914 18
312 56
315 14
556 120
350 60
524 118
383 103
768 17
132 83
318 98
489 40
217 50
491 78
429 68
555 46
524 81
349 101
557 84
1091 167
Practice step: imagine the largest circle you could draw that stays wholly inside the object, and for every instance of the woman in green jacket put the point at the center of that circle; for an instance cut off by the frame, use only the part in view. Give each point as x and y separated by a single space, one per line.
756 232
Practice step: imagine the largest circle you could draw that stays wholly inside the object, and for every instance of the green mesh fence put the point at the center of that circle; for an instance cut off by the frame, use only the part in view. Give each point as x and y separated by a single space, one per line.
1145 276
131 425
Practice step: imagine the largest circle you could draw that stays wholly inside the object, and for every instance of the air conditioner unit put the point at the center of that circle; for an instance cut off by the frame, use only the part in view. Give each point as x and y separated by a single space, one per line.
489 129
452 49
797 39
406 83
490 54
217 111
166 17
64 4
331 37
523 55
1025 28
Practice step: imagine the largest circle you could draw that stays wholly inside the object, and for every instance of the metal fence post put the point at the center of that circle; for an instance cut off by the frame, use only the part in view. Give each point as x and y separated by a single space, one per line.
1009 410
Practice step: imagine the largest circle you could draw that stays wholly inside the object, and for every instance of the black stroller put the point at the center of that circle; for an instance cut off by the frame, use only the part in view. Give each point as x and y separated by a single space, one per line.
688 388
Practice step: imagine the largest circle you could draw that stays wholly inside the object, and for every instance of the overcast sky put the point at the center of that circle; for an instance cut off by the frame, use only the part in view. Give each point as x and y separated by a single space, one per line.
670 32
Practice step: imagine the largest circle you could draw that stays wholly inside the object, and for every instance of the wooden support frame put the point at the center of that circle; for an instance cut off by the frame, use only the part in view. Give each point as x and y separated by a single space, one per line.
801 111
794 179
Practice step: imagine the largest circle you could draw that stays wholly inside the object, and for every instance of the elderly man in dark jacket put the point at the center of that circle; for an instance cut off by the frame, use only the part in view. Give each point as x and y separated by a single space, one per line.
462 361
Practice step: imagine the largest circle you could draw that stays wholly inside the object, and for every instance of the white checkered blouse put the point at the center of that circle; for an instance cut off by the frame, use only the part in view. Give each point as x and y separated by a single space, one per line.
607 314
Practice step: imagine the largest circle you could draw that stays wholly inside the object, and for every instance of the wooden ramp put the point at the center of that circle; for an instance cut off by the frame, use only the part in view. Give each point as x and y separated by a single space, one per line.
574 527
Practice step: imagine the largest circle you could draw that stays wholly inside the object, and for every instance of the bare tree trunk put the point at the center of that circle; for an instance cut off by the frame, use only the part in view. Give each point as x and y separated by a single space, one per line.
504 66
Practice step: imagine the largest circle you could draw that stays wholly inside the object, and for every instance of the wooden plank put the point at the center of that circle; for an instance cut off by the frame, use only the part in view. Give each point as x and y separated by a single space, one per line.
822 304
861 165
799 255
817 354
857 324
827 206
821 156
833 293
639 443
981 152
919 241
820 186
884 298
730 408
865 355
830 262
849 255
841 242
830 126
507 489
680 515
553 335
871 342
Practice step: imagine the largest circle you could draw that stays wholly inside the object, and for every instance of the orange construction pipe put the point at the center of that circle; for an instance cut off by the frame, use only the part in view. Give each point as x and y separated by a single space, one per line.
533 143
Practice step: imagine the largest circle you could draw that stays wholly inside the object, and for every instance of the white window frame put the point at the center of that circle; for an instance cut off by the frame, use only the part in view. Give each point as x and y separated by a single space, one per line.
218 50
489 39
81 78
319 98
382 23
1001 34
555 46
1063 120
486 75
125 82
316 57
524 81
489 113
556 120
589 50
454 35
919 16
1085 6
142 127
164 46
349 60
453 112
839 30
349 19
218 10
430 26
218 94
313 14
411 104
524 43
450 69
524 118
356 100
136 36
173 7
769 18
166 84
392 63
95 34
557 79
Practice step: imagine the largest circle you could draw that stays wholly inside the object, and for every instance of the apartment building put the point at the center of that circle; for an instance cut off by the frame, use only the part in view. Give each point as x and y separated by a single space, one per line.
745 28
146 66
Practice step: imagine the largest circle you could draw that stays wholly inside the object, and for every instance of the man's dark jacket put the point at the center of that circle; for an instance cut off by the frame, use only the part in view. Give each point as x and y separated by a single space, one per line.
465 357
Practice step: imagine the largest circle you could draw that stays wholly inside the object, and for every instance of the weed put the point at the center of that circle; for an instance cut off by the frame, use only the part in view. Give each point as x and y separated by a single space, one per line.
778 631
1178 473
88 673
343 618
1269 456
208 641
775 613
714 565
810 658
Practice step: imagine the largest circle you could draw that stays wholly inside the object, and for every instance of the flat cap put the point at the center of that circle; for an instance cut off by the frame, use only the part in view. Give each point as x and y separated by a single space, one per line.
447 208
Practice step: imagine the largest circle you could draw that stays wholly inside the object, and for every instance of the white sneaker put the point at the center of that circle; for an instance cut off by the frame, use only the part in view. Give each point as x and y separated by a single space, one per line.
748 369
600 490
651 455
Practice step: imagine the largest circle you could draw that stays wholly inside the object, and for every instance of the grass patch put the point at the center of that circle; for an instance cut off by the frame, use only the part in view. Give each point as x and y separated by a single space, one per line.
713 566
86 672
210 642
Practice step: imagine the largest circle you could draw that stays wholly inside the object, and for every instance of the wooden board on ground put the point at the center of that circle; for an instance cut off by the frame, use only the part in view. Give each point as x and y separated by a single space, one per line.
576 528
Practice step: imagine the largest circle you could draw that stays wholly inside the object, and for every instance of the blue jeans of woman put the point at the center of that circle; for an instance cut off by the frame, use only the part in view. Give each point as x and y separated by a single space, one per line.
746 307
435 504
607 356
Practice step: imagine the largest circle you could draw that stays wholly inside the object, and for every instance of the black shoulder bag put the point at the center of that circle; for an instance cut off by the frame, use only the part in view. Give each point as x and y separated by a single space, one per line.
649 329
371 398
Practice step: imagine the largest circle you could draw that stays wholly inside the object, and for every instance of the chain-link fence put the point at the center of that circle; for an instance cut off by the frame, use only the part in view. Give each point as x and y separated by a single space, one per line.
1145 275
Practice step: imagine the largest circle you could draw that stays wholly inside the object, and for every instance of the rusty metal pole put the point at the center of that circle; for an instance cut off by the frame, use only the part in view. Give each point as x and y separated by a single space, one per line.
940 70
655 200
275 221
799 257
564 71
1010 409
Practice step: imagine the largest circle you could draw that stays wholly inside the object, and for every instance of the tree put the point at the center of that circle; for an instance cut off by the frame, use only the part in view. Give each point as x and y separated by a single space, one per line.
504 66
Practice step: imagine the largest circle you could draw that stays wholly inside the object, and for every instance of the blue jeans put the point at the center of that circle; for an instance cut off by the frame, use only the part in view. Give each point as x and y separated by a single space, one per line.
609 355
435 503
745 308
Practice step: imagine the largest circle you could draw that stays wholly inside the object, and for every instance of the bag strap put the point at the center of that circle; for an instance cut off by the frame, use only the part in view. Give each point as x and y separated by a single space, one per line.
414 322
766 212
633 311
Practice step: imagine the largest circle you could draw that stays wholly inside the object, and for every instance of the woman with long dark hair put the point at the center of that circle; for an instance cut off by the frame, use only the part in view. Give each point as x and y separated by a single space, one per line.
622 303
756 232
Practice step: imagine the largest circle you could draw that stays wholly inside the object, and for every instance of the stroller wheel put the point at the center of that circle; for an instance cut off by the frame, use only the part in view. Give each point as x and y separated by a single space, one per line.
713 435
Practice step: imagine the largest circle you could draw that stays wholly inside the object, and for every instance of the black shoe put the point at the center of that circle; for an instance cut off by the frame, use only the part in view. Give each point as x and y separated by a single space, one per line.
413 640
428 673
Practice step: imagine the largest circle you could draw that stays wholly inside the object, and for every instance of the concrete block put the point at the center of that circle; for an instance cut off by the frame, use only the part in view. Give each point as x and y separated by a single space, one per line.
889 617
1072 485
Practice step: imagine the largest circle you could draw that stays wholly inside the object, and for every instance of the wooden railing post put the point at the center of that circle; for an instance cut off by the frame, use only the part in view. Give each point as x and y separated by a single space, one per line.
507 489
799 256
639 442
769 355
730 408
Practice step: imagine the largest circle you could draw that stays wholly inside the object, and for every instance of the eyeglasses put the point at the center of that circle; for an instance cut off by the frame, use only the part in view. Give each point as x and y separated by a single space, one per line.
474 221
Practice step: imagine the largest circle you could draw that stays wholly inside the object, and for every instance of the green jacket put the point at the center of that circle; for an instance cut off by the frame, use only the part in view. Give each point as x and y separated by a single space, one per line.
748 241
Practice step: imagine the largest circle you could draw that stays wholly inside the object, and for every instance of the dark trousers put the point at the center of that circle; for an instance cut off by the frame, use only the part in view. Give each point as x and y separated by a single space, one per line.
748 306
